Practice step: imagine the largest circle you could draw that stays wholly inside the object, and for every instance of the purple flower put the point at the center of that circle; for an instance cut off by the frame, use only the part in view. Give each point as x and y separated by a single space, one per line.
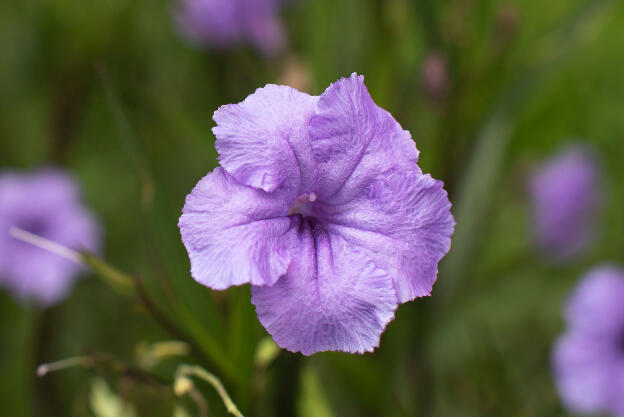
47 204
589 358
320 205
434 76
223 23
566 200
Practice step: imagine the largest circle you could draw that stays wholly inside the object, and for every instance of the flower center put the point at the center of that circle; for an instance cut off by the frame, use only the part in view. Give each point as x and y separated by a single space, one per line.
34 226
300 202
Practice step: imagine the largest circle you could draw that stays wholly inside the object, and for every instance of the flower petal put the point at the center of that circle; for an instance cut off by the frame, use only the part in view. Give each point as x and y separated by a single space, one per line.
596 306
264 140
264 25
616 390
236 234
583 370
210 22
48 204
41 276
332 298
567 197
403 220
353 138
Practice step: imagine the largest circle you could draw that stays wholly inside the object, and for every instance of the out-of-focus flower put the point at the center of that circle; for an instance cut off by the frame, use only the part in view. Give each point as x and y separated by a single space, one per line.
320 205
565 193
224 23
46 204
296 74
507 23
434 76
589 358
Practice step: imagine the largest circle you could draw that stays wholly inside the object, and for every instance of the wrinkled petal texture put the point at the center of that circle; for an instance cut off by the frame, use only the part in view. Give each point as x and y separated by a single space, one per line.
403 221
236 234
48 204
264 141
332 298
588 360
321 206
372 191
353 138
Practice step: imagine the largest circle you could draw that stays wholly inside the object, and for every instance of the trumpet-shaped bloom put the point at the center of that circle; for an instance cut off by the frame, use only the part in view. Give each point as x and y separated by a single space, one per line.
47 204
566 200
223 23
589 357
320 205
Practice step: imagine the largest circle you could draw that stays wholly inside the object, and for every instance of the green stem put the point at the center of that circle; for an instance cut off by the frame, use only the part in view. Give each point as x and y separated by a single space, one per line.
117 280
105 363
183 385
131 285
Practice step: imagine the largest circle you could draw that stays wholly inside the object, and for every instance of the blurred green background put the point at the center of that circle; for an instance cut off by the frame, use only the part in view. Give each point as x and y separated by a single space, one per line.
110 91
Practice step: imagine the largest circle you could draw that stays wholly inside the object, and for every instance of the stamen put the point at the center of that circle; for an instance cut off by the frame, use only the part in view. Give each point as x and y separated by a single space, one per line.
46 244
301 201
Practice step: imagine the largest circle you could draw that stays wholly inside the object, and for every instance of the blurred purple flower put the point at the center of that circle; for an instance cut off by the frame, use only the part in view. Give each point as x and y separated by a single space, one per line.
223 23
434 76
589 357
46 204
566 200
320 205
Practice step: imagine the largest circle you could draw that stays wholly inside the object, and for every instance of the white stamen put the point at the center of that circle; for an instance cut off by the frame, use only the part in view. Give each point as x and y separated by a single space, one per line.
301 201
46 244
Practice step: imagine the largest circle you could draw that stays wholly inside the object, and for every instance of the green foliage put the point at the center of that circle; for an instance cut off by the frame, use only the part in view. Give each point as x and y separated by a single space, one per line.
110 91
